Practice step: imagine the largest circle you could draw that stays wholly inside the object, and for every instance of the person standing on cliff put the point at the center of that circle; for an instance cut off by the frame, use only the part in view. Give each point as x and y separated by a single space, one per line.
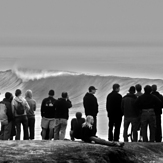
114 112
131 114
63 105
91 106
48 115
147 103
158 112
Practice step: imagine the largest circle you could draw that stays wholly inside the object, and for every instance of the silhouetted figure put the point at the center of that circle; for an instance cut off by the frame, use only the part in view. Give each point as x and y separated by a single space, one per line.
131 114
88 135
147 102
76 126
31 114
91 106
61 116
138 88
114 112
20 108
158 112
6 117
48 115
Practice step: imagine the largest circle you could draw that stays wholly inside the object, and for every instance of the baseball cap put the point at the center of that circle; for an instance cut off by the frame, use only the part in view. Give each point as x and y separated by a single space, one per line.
92 88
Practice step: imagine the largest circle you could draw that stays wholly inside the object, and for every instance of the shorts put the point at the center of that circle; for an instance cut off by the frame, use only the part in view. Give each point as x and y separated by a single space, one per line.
47 123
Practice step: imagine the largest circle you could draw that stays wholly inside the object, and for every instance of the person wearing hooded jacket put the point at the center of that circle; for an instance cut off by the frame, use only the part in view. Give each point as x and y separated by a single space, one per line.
158 112
131 114
20 119
61 116
91 106
6 128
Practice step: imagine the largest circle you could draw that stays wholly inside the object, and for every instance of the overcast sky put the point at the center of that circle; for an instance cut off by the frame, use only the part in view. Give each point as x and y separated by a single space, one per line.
120 37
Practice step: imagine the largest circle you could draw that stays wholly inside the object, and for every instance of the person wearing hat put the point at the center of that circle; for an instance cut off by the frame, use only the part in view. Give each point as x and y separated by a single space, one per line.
48 115
113 108
91 106
131 114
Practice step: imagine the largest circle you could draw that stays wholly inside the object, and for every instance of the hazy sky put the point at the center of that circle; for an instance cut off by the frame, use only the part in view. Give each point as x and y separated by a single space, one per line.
120 37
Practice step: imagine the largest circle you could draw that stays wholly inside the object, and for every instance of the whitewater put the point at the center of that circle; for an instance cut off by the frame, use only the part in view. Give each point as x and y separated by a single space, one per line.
76 84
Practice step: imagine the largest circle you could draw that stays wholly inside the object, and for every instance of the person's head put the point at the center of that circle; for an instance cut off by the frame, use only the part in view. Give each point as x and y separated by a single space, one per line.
64 95
89 120
132 90
18 92
116 87
51 92
147 89
138 87
78 115
9 96
154 87
92 89
28 94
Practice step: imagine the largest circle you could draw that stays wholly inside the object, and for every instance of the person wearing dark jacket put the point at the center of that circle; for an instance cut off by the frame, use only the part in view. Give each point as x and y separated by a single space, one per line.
158 112
91 106
114 112
76 126
131 114
147 102
48 115
61 116
6 127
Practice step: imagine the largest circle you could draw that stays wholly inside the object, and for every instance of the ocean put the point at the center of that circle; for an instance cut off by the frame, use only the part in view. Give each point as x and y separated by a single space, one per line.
76 84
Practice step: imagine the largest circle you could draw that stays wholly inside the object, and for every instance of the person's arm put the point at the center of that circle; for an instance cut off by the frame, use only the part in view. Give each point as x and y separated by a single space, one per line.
69 104
42 108
34 108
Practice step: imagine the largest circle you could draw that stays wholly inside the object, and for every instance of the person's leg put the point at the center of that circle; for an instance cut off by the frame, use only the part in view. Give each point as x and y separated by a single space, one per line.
7 131
18 127
104 142
125 132
31 127
117 128
110 130
72 135
94 130
63 129
51 129
56 129
2 131
135 129
25 127
44 125
144 123
152 126
158 134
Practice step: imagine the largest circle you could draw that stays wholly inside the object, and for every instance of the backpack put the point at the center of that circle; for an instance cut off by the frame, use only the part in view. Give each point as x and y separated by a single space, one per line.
20 108
3 115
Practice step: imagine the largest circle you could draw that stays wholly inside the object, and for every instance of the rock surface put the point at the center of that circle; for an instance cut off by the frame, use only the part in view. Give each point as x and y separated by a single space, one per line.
39 151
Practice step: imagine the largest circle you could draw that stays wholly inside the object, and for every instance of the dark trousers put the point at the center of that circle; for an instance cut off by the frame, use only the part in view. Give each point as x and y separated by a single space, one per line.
31 127
114 122
148 118
158 134
94 129
24 121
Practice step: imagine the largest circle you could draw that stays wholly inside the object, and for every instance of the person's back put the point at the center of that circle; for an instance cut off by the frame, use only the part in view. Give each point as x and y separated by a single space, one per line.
20 107
48 108
147 102
113 104
158 112
61 116
131 114
114 112
76 126
30 113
